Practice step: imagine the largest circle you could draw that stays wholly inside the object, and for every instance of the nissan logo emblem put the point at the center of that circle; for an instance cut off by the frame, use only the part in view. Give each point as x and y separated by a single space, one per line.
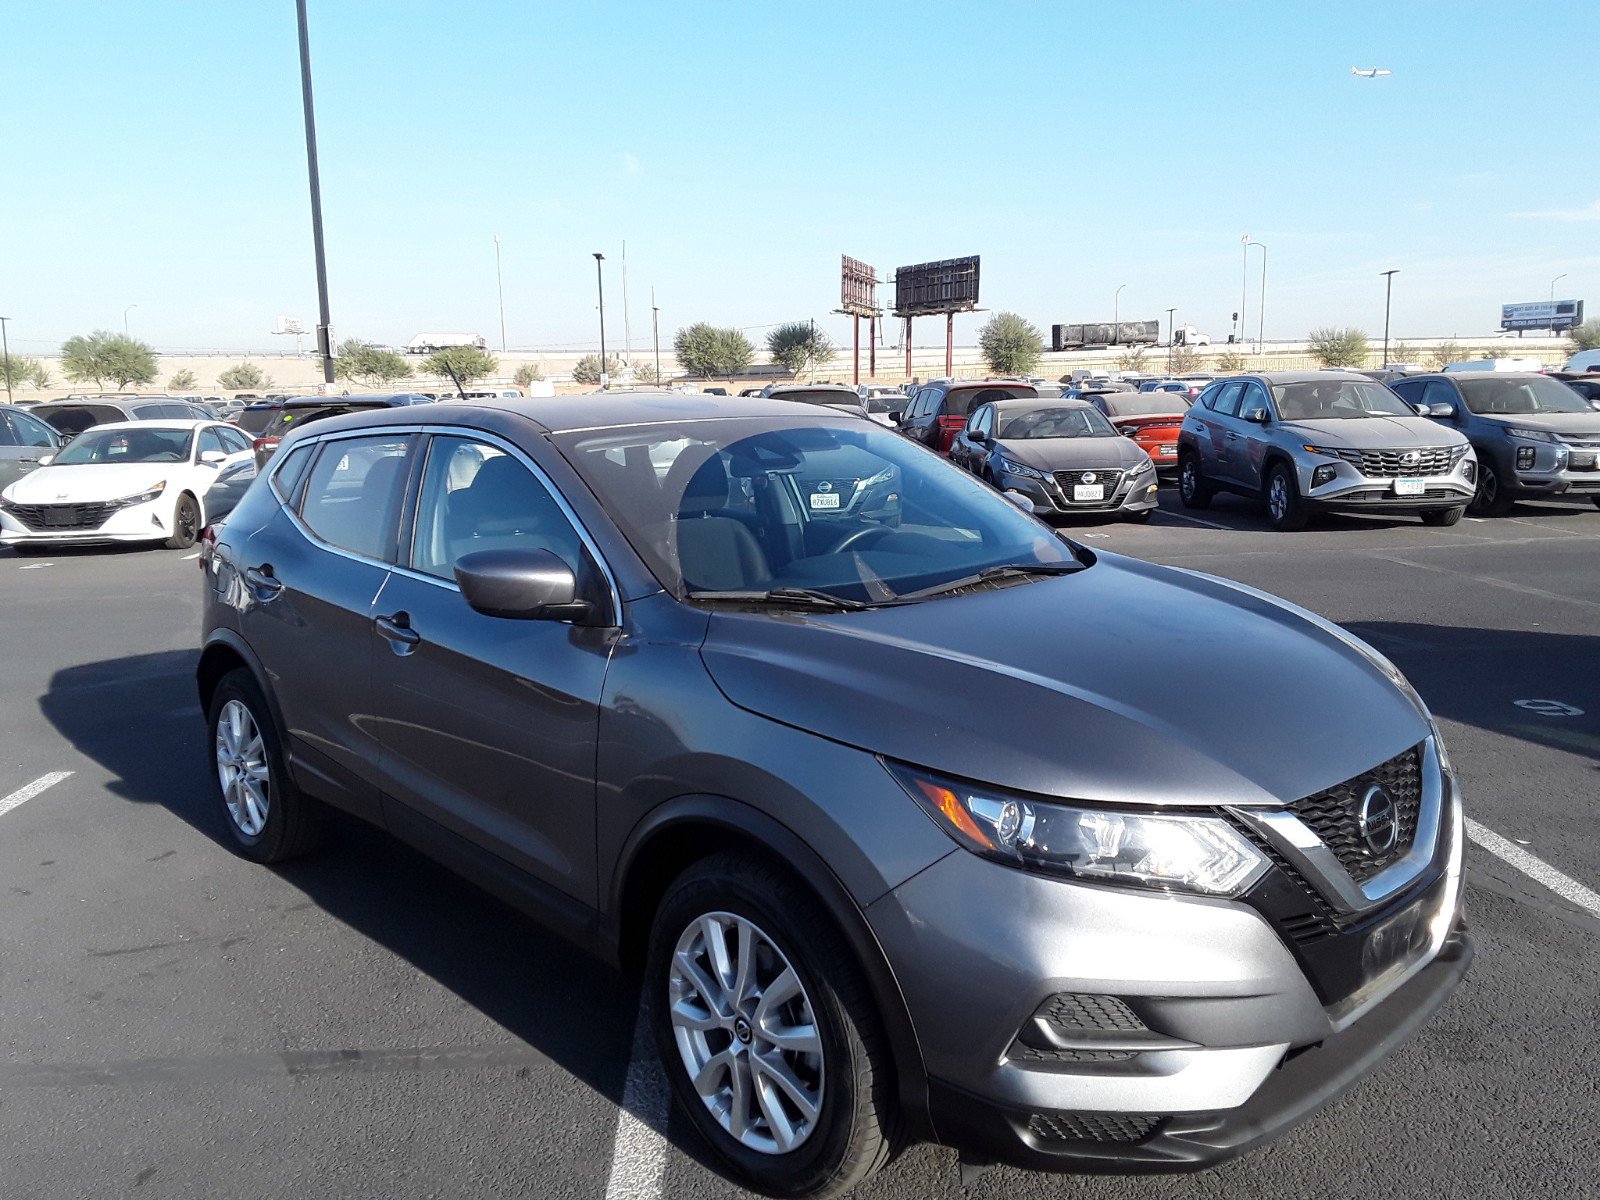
824 486
1378 822
1088 477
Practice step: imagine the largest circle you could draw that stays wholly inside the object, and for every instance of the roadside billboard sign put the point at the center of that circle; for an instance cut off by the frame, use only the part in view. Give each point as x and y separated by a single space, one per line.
858 287
949 285
1542 314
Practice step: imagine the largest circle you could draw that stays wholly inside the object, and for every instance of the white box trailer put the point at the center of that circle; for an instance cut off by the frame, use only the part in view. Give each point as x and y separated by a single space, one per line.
429 343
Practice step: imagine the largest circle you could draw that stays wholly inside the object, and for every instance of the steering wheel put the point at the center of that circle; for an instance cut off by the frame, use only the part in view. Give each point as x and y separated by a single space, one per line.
853 539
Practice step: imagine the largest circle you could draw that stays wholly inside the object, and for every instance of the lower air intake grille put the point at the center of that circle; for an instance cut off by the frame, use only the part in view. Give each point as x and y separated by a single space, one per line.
1083 1010
1092 1127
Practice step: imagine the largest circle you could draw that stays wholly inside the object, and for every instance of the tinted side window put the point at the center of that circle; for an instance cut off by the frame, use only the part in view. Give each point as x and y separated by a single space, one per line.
353 494
1253 397
1409 390
210 439
477 497
289 470
30 432
1438 392
1227 400
232 440
7 436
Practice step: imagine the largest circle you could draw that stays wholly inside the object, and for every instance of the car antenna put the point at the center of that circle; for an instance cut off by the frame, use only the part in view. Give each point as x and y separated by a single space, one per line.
454 378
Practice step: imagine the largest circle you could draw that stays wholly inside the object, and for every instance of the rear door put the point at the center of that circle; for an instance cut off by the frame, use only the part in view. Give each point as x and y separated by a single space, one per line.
1212 417
309 580
23 442
489 725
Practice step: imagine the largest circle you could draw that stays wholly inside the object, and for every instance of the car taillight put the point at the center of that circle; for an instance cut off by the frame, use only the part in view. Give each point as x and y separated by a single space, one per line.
208 547
265 443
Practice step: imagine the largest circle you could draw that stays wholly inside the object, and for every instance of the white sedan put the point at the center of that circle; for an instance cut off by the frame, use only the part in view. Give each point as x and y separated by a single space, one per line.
133 481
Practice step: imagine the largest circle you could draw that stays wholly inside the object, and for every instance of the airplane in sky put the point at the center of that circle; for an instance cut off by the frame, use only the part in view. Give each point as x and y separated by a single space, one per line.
1375 73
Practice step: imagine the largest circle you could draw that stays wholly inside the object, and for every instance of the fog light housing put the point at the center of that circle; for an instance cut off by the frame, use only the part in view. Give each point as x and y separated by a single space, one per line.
1469 472
1324 474
1525 458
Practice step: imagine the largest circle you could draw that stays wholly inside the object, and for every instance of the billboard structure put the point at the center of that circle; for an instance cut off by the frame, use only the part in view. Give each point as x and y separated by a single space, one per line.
858 297
291 327
947 286
1554 315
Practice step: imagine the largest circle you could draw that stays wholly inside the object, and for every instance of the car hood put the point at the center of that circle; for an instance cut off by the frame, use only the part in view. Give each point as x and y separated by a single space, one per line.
1374 433
1583 425
1071 454
89 482
1126 682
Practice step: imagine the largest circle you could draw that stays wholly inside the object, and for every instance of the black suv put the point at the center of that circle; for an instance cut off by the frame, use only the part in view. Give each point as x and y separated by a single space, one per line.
939 410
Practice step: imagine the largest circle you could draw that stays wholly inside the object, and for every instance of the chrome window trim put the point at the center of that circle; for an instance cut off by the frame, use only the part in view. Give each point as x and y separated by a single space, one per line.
471 433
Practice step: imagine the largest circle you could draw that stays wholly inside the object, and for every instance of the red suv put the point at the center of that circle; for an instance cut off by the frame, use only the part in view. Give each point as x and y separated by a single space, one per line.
1151 419
939 410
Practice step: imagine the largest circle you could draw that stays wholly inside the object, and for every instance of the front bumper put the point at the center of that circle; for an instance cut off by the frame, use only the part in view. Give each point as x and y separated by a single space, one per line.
1351 490
147 522
1132 494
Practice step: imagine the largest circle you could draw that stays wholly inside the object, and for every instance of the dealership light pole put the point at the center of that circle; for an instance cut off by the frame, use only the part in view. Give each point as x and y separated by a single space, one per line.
1244 282
325 323
125 318
600 284
1116 311
1261 300
1388 291
500 287
1553 283
1170 311
5 345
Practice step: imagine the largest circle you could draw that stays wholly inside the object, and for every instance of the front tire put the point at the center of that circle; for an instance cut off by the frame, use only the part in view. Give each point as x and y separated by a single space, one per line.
1285 512
185 523
1443 516
267 818
1193 490
767 1030
1490 500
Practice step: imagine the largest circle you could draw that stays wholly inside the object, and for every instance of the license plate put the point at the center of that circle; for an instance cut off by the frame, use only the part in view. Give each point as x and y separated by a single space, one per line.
57 517
1583 462
1409 487
825 499
1089 491
1167 451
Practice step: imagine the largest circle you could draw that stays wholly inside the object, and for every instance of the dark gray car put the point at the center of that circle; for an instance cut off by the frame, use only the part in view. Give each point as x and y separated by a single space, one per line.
906 827
1535 437
24 440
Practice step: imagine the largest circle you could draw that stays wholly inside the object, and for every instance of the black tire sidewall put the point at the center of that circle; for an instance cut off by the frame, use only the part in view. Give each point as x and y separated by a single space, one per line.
733 885
272 842
1294 516
178 541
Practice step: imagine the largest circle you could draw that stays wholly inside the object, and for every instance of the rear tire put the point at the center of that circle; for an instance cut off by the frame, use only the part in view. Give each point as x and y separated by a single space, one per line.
1285 512
1490 499
762 916
1443 516
268 819
1193 490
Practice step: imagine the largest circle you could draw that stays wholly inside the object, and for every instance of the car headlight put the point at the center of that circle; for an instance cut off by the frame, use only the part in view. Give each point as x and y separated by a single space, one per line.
1016 468
1184 852
1146 465
884 476
143 497
1534 435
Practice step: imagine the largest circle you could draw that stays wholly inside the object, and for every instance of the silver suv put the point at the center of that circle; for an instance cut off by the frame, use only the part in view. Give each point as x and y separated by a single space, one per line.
1310 440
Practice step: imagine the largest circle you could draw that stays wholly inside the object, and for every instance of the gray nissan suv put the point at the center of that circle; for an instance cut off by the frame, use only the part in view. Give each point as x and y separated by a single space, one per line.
903 825
1318 440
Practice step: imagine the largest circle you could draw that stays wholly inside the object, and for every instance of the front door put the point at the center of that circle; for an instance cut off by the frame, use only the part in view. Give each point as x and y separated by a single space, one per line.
1248 450
23 442
488 724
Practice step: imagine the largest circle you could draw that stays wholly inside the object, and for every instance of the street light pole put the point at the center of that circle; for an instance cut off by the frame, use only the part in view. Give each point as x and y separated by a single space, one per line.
1261 300
1244 282
1116 314
325 325
1388 291
5 345
1170 311
655 333
125 319
500 287
1553 283
600 284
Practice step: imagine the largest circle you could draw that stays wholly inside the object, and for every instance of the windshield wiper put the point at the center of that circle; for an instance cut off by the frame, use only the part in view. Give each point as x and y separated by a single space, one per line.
788 597
999 572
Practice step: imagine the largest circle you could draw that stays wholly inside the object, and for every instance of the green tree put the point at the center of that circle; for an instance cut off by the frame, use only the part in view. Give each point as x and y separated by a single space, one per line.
1010 344
1230 362
1444 353
646 373
588 368
107 358
528 373
706 351
1184 359
1399 352
1500 352
470 363
365 363
1585 336
797 346
1339 347
244 377
1132 359
24 370
181 381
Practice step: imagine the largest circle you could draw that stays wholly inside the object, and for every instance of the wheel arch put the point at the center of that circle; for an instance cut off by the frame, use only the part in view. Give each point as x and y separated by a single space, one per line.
680 832
225 652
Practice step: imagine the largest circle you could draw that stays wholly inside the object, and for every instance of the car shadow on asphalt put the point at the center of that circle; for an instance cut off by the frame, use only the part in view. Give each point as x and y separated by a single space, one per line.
1478 676
139 718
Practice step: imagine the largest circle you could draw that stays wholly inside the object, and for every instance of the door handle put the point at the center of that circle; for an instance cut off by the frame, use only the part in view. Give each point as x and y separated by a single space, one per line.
262 582
397 629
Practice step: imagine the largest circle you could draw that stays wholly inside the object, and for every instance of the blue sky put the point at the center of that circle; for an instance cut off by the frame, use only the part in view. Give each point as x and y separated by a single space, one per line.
156 158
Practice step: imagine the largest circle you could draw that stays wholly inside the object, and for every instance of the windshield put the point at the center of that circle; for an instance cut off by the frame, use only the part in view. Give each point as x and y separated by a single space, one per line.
128 446
821 396
1336 399
1146 404
1528 396
254 420
1039 423
844 508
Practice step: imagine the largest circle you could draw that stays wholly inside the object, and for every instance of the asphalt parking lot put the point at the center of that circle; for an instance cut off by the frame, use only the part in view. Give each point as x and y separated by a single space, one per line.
177 1022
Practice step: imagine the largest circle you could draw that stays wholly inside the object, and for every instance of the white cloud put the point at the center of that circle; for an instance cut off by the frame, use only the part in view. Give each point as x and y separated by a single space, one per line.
1592 213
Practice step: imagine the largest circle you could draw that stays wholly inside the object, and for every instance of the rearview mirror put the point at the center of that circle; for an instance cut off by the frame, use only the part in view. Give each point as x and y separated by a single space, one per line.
524 584
212 458
1258 416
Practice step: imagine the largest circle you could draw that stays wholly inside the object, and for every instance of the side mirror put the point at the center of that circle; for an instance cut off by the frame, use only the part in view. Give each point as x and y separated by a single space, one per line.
212 458
1422 410
1258 416
1447 411
1021 501
46 459
896 414
525 585
1595 404
977 435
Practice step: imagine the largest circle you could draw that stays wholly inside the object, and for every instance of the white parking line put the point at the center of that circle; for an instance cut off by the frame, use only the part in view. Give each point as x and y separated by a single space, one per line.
191 557
1196 520
23 794
639 1152
36 566
1534 868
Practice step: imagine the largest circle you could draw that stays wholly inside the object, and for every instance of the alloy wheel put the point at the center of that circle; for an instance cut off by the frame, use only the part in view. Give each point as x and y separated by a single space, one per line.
1186 479
242 768
746 1032
1278 498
